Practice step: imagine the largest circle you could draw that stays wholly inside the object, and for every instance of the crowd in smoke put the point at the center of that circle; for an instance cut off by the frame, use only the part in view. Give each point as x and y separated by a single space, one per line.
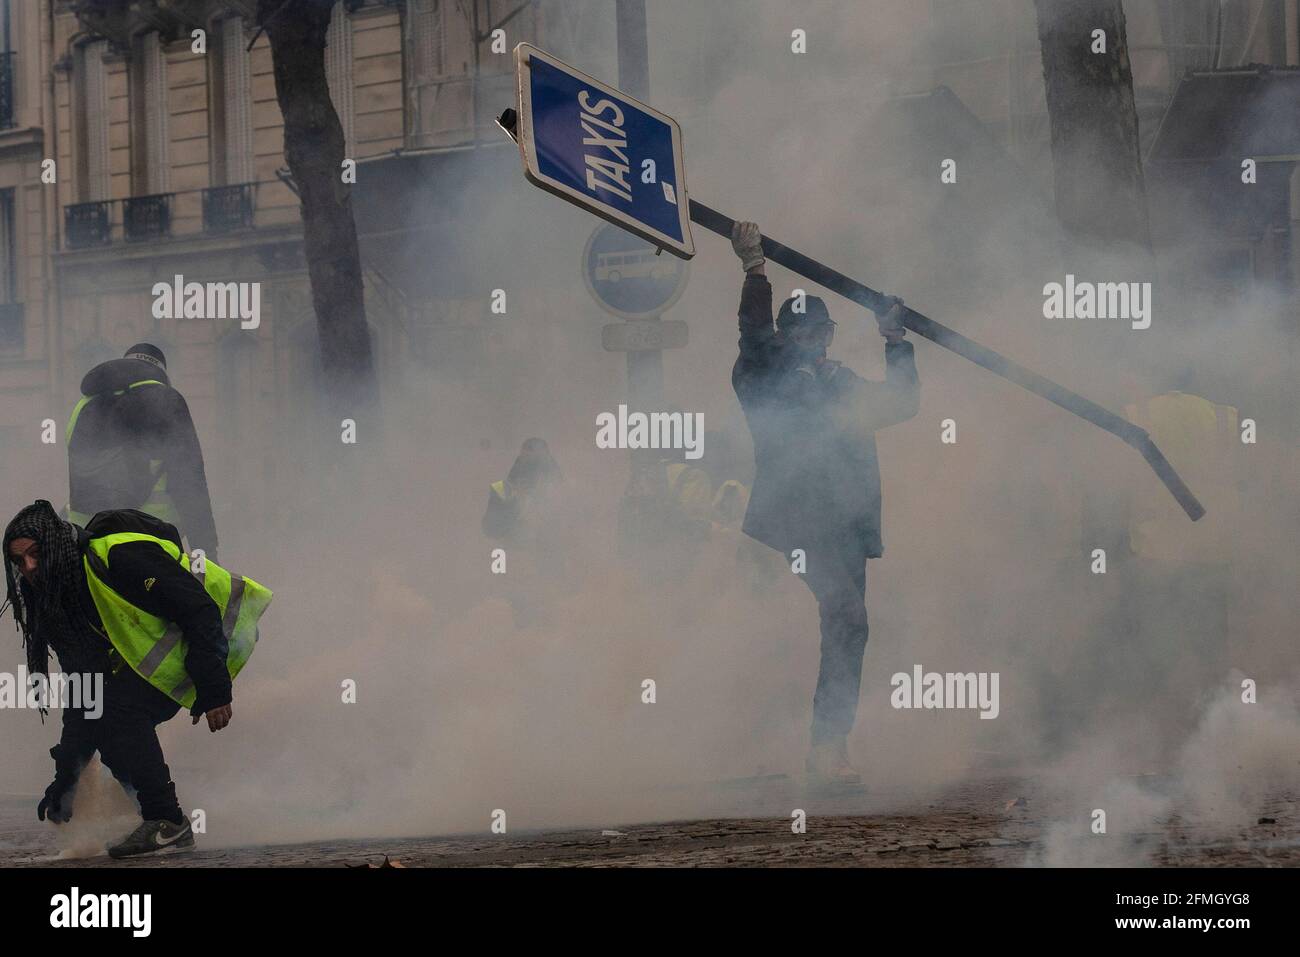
382 573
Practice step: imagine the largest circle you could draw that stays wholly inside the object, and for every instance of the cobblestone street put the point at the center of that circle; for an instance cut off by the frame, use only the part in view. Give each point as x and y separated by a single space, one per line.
991 824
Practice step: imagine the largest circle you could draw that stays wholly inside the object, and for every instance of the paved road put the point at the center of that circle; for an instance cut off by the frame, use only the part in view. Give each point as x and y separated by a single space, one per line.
991 823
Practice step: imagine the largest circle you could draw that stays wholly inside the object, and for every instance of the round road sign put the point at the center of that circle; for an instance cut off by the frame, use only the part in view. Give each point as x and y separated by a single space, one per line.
624 274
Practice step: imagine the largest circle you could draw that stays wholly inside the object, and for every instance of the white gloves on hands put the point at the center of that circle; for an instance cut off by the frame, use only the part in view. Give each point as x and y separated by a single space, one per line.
747 241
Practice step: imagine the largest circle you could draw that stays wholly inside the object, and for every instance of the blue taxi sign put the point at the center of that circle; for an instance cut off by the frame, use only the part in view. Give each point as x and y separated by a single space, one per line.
602 150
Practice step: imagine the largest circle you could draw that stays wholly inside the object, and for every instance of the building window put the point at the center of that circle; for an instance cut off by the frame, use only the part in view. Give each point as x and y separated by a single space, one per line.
232 118
91 121
7 108
8 248
425 25
453 87
6 90
338 72
238 94
439 53
12 331
149 107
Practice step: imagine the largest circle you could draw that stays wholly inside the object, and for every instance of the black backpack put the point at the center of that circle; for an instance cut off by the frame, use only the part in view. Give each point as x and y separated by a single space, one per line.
108 463
112 521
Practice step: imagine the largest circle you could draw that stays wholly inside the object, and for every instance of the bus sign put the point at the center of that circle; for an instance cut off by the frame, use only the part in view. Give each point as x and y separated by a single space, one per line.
627 277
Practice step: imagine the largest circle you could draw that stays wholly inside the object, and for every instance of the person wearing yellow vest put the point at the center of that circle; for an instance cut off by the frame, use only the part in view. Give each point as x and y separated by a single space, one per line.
132 444
517 502
118 599
528 513
1202 439
689 495
1184 571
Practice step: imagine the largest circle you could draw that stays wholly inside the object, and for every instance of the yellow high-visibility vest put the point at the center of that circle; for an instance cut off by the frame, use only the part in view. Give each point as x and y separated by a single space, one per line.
690 489
1202 441
154 647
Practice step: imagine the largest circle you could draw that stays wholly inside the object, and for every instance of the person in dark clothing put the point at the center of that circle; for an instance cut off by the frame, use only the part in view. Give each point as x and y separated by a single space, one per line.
132 444
529 511
817 480
48 589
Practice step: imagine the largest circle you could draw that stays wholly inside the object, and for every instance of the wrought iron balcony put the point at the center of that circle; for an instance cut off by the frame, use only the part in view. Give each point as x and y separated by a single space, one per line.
162 216
13 333
147 217
228 207
6 90
87 224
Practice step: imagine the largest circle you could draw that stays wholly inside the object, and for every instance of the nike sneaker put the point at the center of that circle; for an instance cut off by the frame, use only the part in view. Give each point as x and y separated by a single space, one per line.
154 837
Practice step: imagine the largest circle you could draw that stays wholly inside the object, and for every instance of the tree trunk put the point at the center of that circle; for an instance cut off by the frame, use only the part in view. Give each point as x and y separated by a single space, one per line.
313 147
1100 197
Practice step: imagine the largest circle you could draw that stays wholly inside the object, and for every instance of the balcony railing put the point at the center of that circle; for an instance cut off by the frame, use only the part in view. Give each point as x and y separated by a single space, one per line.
86 224
165 215
6 90
13 333
147 217
228 207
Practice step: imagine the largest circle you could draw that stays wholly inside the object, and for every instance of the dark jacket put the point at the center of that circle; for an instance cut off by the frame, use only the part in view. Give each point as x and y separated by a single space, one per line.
146 576
121 431
816 477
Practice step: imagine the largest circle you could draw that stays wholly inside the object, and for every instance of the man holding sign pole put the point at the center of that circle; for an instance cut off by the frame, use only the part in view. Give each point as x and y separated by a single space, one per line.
816 497
816 494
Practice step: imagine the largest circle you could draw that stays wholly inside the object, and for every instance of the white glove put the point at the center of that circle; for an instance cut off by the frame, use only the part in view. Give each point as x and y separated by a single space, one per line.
747 241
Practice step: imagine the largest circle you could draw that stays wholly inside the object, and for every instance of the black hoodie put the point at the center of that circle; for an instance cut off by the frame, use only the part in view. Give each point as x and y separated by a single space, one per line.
120 431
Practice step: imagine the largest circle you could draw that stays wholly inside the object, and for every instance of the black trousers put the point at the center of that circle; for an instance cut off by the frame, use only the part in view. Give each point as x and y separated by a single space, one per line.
837 577
126 737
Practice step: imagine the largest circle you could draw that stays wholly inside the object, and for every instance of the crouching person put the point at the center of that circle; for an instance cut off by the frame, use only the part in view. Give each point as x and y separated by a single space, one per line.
118 599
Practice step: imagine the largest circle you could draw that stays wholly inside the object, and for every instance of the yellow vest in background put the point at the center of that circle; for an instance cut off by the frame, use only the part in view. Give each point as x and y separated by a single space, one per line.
691 490
1202 441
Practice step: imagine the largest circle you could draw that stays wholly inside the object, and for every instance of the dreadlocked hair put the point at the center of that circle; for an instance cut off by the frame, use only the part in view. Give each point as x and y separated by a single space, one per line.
47 611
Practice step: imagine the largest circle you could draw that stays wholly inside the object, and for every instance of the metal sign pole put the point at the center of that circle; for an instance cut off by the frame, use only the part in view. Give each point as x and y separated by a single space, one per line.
855 291
551 137
645 368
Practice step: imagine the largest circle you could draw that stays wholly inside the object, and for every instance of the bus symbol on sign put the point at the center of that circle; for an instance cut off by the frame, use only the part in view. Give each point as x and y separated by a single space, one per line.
626 276
614 267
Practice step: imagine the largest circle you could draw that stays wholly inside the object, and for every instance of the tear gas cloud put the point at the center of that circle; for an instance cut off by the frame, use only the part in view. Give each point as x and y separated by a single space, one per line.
382 573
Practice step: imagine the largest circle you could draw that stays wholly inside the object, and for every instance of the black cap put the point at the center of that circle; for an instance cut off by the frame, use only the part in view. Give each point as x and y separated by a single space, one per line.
147 352
814 314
